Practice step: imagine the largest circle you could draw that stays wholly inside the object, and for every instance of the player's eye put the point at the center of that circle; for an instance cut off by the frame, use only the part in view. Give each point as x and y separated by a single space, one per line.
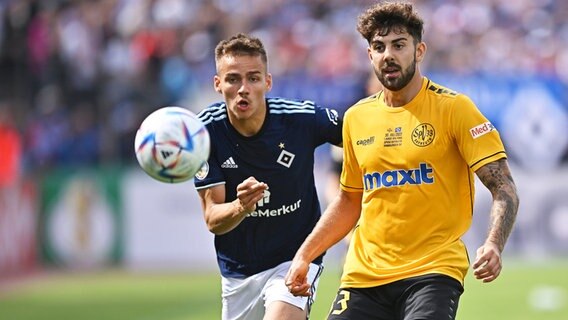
379 47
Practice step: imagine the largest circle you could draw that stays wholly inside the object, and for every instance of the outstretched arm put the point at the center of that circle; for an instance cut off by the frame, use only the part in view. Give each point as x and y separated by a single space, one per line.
496 176
338 219
222 217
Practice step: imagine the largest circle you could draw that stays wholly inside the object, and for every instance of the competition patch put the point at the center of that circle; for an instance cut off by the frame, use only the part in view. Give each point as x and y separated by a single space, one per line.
393 137
423 134
481 129
203 171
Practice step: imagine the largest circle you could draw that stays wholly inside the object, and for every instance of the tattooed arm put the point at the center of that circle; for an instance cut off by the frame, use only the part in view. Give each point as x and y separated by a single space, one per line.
496 176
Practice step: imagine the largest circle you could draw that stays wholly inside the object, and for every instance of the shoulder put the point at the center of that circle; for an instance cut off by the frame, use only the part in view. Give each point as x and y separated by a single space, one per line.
446 96
441 92
365 103
213 113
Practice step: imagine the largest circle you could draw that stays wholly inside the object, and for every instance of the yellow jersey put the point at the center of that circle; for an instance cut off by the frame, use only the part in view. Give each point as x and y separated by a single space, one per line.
414 165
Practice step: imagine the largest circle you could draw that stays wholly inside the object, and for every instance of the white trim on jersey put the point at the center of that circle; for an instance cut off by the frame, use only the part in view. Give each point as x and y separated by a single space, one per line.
215 113
272 111
291 103
210 185
276 106
283 106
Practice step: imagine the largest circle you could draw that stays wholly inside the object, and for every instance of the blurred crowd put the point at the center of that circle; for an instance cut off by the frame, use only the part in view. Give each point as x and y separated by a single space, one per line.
78 76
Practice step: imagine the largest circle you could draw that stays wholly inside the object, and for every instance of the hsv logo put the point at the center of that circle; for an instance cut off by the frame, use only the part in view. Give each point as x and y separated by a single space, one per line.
392 178
481 129
285 158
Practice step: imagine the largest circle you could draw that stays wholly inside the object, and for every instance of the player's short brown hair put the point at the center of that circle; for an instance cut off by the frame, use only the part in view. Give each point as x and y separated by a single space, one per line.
384 17
241 44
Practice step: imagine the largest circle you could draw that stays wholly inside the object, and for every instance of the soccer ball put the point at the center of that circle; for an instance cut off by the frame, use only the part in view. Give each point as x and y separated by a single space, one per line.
172 144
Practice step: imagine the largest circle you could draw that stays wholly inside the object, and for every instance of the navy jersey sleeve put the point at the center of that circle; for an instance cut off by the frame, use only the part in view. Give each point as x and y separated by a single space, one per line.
210 173
328 126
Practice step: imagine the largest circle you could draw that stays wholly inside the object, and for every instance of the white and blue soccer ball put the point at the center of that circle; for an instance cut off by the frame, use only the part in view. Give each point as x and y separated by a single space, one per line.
172 144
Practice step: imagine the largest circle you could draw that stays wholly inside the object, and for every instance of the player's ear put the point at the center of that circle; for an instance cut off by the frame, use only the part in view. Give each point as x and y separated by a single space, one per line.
268 81
217 83
420 51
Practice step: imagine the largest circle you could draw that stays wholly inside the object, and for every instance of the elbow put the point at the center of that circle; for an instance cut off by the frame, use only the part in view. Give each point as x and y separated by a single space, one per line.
515 198
213 228
516 203
216 228
509 198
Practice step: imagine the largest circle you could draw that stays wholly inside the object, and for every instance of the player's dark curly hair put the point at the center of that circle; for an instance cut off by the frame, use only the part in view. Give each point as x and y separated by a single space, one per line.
241 44
385 17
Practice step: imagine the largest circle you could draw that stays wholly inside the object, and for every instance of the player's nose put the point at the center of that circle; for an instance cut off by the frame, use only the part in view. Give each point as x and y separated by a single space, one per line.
244 88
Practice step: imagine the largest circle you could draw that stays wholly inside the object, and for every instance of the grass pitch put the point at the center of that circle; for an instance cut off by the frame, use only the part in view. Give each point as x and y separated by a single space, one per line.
523 292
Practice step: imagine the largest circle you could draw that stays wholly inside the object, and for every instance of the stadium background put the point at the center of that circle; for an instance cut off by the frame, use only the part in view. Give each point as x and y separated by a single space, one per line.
77 78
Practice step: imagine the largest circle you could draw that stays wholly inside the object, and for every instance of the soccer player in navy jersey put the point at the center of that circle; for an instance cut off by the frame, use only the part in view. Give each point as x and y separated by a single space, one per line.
257 189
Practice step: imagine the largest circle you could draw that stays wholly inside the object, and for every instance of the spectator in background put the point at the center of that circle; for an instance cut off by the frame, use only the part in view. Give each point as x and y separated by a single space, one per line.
258 188
410 152
10 161
109 52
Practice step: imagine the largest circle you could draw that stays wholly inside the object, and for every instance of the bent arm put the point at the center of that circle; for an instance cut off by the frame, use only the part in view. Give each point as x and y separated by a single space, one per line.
222 217
496 176
336 222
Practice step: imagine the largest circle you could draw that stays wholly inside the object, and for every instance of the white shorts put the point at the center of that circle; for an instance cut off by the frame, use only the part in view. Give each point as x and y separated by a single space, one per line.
247 298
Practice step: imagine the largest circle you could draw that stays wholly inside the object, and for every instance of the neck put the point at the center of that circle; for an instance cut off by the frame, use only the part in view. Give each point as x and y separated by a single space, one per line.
405 95
250 126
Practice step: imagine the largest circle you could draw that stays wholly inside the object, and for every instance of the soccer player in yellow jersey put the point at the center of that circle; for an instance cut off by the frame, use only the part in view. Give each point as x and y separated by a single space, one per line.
410 152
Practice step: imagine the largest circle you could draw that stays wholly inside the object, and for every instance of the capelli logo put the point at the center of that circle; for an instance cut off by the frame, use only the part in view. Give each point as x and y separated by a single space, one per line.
366 142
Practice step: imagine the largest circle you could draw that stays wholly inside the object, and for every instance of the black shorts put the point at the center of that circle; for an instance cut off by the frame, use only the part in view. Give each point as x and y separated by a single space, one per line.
428 297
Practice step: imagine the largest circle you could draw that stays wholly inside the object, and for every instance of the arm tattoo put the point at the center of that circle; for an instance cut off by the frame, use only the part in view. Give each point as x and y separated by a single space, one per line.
496 176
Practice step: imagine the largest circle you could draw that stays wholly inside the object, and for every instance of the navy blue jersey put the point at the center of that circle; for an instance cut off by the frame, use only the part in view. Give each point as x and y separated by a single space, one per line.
281 154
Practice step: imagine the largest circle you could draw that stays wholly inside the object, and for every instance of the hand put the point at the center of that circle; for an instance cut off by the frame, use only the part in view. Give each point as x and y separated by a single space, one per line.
487 265
296 280
249 192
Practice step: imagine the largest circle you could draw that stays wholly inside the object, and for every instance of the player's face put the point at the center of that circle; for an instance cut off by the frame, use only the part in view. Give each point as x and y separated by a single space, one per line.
243 81
394 57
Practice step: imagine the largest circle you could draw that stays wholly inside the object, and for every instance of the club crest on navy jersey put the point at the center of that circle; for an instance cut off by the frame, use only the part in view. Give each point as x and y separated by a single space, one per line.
285 158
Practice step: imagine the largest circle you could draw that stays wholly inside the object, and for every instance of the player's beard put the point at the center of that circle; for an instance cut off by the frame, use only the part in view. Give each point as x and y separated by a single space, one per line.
400 82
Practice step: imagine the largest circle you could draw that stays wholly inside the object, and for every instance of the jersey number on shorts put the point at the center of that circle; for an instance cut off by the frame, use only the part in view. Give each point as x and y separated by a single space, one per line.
340 305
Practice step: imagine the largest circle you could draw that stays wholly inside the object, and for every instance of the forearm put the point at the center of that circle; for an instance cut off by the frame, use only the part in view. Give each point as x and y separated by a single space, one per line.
503 215
224 217
497 178
336 222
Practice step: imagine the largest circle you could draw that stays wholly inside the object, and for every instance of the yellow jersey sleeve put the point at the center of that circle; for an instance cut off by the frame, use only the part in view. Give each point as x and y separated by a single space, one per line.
477 139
